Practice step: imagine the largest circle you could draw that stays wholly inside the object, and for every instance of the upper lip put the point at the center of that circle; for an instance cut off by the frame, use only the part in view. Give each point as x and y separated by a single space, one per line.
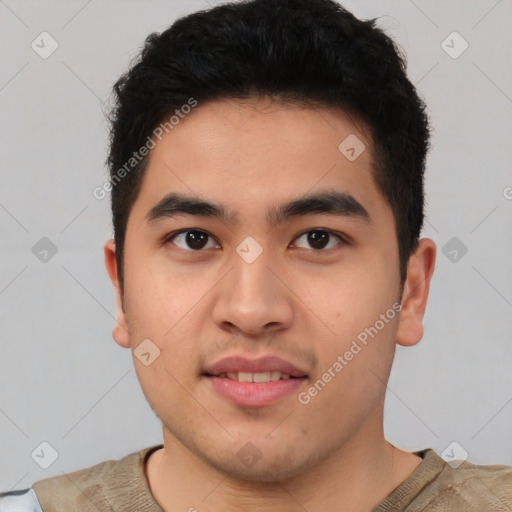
261 364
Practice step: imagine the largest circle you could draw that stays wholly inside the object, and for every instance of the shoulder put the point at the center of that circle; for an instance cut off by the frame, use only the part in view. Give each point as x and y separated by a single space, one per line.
19 501
103 487
470 487
98 488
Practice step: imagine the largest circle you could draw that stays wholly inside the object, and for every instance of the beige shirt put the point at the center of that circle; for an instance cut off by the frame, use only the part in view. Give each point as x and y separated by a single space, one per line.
434 486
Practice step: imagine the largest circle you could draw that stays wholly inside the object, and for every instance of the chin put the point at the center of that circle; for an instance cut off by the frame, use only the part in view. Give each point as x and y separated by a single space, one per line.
265 466
259 473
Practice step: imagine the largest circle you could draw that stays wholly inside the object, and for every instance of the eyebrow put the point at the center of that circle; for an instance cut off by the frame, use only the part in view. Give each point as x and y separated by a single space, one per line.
329 202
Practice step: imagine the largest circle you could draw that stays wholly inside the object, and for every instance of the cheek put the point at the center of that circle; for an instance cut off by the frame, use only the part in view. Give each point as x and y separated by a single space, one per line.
359 325
173 343
350 296
160 306
156 296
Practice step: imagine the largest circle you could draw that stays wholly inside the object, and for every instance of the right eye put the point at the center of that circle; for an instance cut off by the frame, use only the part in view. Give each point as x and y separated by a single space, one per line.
192 240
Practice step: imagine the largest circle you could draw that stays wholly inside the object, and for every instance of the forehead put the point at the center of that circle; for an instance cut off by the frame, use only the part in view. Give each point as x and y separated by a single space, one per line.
256 153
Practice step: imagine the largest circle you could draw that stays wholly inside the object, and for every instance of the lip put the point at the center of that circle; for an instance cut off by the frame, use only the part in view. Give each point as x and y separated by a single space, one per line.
261 364
254 394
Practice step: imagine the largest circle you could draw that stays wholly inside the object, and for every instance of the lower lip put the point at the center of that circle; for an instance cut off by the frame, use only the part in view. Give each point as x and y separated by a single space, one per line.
254 394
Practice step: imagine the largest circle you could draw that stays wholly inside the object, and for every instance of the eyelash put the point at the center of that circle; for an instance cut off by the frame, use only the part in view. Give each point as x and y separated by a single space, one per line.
343 240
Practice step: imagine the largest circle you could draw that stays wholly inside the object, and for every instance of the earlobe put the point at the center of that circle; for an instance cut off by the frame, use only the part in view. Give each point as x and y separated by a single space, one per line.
414 298
120 330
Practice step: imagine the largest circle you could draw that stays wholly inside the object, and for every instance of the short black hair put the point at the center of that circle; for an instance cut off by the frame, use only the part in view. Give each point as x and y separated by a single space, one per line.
313 53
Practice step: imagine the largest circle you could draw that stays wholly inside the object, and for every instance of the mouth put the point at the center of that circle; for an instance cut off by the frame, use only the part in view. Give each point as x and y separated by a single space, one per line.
256 377
262 369
254 383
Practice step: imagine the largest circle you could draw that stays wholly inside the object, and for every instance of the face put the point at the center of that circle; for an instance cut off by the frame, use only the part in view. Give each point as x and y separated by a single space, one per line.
275 275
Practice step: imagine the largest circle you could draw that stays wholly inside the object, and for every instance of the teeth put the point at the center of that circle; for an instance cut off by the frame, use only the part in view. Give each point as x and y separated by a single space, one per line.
245 377
256 377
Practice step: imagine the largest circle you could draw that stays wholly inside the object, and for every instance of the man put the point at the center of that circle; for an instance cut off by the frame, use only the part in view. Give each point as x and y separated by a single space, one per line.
267 163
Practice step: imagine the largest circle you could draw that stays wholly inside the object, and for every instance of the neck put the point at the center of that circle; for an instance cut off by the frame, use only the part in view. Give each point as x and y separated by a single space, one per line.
356 477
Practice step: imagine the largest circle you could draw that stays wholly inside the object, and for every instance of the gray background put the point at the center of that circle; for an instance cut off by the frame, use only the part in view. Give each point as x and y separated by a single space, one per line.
63 379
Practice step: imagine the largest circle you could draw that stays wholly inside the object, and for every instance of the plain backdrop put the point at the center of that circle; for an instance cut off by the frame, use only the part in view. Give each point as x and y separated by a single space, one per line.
65 382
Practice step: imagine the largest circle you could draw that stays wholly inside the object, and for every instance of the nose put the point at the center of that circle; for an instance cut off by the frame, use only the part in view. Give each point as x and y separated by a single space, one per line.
252 298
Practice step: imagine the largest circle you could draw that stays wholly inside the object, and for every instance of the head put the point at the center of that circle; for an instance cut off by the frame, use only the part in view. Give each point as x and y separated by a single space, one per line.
267 119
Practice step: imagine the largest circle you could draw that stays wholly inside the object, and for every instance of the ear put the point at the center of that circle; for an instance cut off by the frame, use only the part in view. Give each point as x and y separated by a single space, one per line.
415 293
120 331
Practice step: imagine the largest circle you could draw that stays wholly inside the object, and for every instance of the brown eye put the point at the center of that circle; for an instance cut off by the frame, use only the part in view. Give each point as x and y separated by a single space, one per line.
192 239
319 239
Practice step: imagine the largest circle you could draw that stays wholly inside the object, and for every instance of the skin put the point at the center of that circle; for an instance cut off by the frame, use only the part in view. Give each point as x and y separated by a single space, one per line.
296 301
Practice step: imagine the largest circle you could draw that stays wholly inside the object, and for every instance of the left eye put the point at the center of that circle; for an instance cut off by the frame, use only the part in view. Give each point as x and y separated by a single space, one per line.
193 239
319 239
